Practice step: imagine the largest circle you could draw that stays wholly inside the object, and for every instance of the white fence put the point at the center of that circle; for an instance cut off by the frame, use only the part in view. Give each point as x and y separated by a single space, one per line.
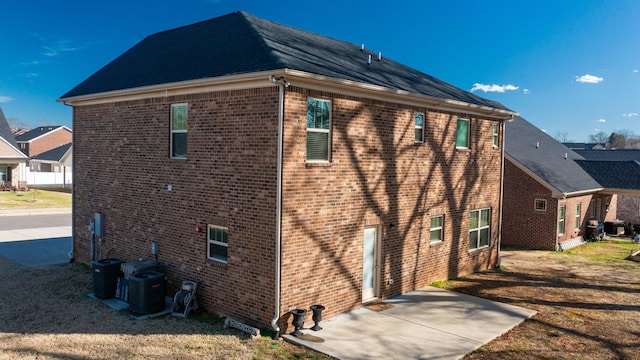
64 179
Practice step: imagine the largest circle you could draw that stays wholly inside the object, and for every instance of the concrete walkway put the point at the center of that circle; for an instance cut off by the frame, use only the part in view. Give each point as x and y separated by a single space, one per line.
37 246
429 323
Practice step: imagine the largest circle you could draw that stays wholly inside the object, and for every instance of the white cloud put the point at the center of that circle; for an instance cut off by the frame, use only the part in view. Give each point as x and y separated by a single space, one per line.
602 120
526 91
590 79
5 99
635 71
493 88
631 114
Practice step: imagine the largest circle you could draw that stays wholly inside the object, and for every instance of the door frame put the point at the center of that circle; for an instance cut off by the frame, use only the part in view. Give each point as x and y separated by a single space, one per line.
376 263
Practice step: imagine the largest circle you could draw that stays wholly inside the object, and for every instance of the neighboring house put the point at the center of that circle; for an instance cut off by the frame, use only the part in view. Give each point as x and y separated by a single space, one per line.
280 168
43 138
52 168
626 162
12 160
551 191
582 146
53 160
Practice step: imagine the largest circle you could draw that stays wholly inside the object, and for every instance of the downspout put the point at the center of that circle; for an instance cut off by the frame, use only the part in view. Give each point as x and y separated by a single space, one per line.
281 86
504 144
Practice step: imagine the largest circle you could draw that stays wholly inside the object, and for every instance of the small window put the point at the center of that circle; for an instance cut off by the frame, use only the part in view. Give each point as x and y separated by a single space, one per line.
561 214
218 243
3 173
496 131
419 126
479 228
179 117
540 205
578 215
436 228
462 134
318 129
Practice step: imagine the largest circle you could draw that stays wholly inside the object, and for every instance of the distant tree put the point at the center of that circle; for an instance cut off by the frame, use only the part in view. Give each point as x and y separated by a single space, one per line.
562 136
599 138
616 141
16 123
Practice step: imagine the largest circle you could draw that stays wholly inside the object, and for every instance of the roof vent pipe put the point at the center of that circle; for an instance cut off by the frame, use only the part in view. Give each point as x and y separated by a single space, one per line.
565 156
369 61
537 144
362 47
379 56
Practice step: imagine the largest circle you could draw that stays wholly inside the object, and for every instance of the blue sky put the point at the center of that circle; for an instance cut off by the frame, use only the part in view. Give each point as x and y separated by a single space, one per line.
567 66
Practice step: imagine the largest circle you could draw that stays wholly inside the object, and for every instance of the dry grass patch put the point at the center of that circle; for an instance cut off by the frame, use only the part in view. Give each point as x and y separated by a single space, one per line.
588 303
46 314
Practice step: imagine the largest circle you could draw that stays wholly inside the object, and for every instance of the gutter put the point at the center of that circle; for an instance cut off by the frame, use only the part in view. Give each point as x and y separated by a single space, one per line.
282 84
504 142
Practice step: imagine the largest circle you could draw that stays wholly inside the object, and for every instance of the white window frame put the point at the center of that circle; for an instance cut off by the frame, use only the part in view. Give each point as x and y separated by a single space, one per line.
217 243
179 131
562 215
324 131
495 134
439 229
541 201
480 228
466 146
419 129
578 216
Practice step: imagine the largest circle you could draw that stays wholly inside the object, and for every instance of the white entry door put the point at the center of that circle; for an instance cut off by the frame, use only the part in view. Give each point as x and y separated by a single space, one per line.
369 264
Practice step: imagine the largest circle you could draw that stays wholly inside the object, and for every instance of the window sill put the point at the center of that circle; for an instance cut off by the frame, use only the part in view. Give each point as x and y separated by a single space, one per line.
436 243
218 263
178 158
479 249
317 164
463 148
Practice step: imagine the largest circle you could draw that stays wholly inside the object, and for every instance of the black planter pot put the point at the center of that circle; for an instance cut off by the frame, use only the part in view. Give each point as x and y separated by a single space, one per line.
317 316
298 321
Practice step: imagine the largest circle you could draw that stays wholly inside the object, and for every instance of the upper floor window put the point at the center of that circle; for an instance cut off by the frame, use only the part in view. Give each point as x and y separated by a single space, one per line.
479 228
318 129
494 135
419 126
462 134
179 117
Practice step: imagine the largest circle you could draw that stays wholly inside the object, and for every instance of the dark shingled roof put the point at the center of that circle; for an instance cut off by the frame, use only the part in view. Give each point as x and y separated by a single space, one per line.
545 157
239 43
614 174
5 131
617 154
34 133
53 154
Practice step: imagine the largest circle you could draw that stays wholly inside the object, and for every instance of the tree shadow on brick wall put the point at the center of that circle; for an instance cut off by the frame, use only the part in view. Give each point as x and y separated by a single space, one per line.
388 164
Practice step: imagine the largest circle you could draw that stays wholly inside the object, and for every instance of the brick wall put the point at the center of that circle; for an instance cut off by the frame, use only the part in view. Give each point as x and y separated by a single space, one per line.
629 208
122 169
379 176
522 226
50 140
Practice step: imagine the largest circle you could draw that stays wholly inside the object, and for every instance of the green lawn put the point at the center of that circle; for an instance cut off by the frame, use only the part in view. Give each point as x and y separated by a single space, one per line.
34 198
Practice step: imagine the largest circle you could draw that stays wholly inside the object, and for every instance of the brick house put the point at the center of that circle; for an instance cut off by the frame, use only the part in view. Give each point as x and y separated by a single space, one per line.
280 168
12 160
622 165
551 191
43 138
